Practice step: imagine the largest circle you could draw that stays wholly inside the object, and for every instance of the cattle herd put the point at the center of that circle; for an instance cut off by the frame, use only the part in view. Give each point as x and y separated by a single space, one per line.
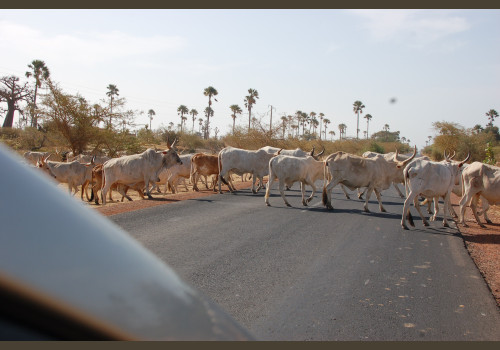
371 172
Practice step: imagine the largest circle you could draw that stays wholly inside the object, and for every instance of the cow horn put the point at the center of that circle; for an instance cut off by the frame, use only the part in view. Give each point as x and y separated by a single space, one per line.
395 158
445 155
320 153
168 142
312 152
453 156
173 143
279 152
404 162
463 161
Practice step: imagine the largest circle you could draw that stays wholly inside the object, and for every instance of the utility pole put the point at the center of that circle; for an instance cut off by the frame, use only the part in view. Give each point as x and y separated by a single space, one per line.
271 121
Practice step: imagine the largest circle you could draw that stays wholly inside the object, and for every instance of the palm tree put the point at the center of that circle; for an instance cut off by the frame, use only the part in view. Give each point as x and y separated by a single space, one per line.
194 113
368 117
236 110
343 129
151 113
386 129
40 72
430 138
321 115
312 116
209 91
209 112
295 126
403 139
305 118
113 91
249 102
491 114
181 111
200 123
284 120
332 133
326 121
358 108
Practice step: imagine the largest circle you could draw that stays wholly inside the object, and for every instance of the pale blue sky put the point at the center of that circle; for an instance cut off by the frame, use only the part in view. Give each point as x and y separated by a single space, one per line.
438 64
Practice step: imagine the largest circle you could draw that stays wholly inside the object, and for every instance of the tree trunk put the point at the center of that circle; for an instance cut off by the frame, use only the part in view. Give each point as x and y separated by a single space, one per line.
9 118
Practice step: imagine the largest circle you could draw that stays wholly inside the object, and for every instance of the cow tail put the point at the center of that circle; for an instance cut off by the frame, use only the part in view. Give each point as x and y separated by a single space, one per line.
191 177
219 165
325 176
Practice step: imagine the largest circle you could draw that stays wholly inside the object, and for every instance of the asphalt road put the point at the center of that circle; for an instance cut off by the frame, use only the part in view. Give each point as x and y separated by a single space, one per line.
305 273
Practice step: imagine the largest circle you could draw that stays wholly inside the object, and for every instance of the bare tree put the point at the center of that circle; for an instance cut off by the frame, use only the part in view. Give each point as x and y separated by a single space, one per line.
11 93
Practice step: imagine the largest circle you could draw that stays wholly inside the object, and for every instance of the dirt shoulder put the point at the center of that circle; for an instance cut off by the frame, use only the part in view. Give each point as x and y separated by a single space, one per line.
483 245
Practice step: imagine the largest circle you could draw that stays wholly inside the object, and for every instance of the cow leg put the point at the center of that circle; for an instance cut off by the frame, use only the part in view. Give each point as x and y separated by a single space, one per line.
368 195
327 193
380 206
268 189
446 209
361 193
485 206
436 208
310 198
416 203
345 192
406 209
148 192
466 198
473 206
254 178
395 185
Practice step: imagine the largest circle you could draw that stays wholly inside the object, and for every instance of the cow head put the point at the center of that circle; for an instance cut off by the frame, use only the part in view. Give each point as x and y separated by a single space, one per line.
316 157
170 156
42 164
404 162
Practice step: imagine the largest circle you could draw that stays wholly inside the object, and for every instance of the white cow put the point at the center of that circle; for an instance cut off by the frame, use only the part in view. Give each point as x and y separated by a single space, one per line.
241 161
33 157
85 158
135 168
74 173
483 180
355 172
290 169
171 176
431 179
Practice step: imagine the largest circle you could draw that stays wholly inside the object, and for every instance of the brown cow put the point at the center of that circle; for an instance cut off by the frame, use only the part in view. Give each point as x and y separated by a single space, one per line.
121 188
204 164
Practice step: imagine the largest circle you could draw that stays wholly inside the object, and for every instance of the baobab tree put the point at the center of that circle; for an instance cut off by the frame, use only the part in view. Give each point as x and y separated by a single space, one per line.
40 72
11 93
236 110
358 108
368 117
250 100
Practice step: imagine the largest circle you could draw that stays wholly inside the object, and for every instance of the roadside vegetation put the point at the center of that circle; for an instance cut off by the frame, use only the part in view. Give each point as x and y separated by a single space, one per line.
52 120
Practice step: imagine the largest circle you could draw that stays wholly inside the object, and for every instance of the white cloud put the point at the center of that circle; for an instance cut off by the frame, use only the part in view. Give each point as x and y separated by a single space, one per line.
415 28
82 48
